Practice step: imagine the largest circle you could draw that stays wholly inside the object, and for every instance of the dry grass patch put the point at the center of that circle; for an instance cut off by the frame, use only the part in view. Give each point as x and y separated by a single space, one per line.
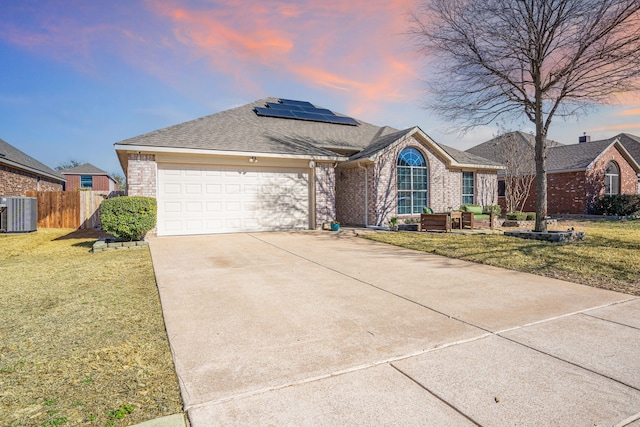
608 258
82 340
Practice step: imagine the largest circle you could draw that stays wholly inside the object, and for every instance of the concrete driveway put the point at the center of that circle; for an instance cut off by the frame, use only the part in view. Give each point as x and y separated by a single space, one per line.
319 328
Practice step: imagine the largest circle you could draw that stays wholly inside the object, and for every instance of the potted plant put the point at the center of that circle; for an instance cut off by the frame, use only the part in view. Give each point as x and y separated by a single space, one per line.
393 223
335 226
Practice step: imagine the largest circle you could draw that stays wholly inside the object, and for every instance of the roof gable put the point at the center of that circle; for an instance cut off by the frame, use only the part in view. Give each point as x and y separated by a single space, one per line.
13 157
84 169
449 155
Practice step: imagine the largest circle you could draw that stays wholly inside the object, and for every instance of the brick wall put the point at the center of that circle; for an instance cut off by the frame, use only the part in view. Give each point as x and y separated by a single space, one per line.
15 182
575 192
350 193
325 188
141 175
100 183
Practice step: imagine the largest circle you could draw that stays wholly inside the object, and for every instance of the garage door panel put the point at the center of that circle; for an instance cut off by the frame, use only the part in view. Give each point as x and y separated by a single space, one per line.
198 199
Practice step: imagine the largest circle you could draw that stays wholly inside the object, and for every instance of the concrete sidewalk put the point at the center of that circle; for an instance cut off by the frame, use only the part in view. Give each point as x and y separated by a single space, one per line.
319 328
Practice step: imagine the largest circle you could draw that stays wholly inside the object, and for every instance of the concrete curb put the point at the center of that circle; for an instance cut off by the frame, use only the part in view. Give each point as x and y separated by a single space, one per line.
175 420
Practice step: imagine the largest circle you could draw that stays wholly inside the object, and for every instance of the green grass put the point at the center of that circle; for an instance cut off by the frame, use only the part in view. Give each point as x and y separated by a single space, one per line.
608 258
81 334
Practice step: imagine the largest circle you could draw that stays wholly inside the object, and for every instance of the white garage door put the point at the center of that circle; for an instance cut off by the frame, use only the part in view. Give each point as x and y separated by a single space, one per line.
208 199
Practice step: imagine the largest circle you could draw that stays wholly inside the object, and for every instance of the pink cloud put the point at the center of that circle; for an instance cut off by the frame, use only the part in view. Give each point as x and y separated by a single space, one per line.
357 48
618 127
631 112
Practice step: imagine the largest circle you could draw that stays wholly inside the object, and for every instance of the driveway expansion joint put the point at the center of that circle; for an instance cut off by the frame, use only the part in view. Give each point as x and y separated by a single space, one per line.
431 392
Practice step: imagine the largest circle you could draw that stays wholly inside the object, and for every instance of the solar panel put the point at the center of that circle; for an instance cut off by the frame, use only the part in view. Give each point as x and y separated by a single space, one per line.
302 110
273 112
279 106
299 103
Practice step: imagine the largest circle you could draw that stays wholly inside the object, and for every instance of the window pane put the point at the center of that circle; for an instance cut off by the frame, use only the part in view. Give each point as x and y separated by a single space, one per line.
404 178
615 184
467 188
86 181
419 201
419 178
404 202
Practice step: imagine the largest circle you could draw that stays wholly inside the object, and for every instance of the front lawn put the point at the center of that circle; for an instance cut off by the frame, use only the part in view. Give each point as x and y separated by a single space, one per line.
82 339
608 258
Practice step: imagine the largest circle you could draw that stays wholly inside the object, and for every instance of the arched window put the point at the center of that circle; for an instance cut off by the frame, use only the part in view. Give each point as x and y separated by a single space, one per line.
413 182
612 179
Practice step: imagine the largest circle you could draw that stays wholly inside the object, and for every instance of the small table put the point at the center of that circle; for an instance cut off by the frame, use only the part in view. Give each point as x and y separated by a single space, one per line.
456 220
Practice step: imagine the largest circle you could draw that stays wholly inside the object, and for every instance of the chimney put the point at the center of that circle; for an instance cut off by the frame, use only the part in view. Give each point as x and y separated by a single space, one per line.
584 138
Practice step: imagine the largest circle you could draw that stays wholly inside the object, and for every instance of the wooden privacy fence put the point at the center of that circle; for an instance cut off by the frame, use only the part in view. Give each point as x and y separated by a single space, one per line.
70 209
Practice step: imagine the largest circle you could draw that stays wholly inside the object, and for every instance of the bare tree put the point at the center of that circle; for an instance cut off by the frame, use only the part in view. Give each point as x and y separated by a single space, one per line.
121 181
528 58
517 156
67 165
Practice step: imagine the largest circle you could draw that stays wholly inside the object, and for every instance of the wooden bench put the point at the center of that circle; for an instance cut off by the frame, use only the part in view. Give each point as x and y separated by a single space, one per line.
435 222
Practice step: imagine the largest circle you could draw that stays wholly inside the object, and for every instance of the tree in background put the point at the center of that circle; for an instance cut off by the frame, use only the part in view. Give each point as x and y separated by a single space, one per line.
121 181
528 58
517 157
67 165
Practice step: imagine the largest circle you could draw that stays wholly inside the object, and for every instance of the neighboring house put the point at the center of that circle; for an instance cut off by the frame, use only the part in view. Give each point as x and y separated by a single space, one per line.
577 174
20 173
281 164
88 177
632 144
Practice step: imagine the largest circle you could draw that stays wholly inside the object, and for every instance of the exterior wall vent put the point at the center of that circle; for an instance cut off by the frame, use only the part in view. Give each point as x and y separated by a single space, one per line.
18 214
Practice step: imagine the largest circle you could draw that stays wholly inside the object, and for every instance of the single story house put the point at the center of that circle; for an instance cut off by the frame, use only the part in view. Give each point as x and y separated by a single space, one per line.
577 174
278 164
88 177
20 173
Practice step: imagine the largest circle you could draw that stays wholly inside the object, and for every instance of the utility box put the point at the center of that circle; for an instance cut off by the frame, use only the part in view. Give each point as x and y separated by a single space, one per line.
18 214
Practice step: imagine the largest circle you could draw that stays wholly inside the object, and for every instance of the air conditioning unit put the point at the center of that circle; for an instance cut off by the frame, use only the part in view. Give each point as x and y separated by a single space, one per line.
18 214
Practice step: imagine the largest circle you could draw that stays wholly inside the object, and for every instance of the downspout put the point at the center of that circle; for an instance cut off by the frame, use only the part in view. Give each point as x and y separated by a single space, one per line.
366 195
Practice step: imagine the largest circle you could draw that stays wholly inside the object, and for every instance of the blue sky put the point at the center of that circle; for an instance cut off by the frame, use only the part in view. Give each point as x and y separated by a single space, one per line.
78 76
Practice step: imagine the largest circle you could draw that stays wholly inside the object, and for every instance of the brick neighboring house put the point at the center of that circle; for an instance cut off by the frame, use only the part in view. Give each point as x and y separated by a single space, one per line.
282 164
577 174
20 173
88 177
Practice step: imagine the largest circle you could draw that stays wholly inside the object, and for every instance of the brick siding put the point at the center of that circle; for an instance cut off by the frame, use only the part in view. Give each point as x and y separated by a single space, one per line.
325 191
100 183
16 183
142 175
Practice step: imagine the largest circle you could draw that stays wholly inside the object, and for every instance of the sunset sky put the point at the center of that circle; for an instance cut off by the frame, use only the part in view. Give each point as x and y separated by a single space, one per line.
76 76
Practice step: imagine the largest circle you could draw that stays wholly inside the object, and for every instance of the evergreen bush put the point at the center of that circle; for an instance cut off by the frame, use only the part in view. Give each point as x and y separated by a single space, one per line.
128 218
618 205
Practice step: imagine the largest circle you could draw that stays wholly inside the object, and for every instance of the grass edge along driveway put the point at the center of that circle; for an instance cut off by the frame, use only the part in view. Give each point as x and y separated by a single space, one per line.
608 258
82 340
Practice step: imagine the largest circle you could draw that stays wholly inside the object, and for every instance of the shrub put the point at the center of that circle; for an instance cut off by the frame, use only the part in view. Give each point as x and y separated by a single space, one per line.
496 209
128 218
618 205
531 216
517 216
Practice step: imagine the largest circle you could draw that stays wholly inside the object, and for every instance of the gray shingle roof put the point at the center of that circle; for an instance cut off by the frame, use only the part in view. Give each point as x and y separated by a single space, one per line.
560 157
15 158
630 142
467 158
241 129
84 169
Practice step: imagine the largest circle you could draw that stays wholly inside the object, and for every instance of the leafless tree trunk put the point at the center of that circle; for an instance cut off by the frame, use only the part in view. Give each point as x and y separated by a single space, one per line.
518 158
528 58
